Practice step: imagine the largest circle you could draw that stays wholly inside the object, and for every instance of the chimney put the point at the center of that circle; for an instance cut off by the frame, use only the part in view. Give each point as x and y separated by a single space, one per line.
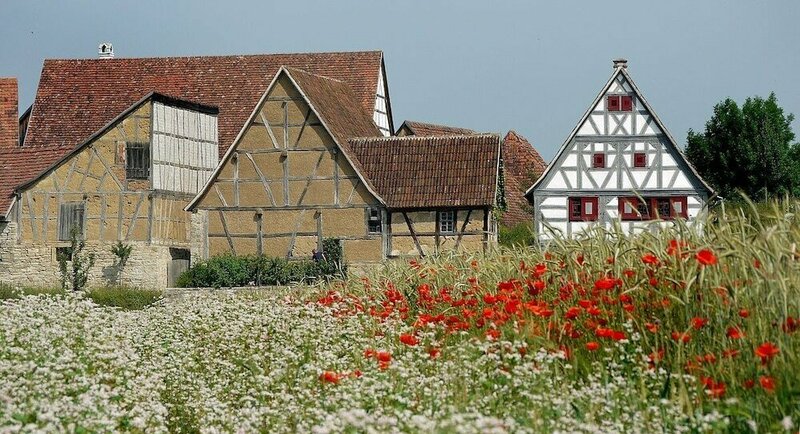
105 50
620 63
9 113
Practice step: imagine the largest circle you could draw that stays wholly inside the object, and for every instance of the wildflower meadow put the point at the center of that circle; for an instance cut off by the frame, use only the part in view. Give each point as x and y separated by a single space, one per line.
688 329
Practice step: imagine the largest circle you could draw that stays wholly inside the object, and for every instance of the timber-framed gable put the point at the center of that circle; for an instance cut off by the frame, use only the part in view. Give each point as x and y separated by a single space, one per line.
618 163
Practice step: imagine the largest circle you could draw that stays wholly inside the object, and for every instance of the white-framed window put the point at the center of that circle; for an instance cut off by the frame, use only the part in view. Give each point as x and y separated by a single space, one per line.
373 220
447 221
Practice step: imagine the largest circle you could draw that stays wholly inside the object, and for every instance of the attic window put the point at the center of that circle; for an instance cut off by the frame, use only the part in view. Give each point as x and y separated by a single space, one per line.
137 160
599 161
639 159
619 103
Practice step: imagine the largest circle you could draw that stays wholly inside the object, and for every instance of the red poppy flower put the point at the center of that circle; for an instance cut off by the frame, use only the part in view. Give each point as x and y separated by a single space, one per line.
592 346
734 333
744 313
652 328
706 257
715 390
572 312
605 283
766 352
731 353
650 259
629 273
681 337
749 383
617 335
434 352
369 353
493 334
383 356
329 377
767 383
791 325
409 339
699 323
489 299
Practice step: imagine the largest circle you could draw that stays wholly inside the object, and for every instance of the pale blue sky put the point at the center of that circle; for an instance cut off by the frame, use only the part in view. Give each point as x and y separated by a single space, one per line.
491 66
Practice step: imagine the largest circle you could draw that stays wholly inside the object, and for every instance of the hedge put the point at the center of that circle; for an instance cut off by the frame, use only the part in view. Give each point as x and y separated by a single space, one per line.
250 270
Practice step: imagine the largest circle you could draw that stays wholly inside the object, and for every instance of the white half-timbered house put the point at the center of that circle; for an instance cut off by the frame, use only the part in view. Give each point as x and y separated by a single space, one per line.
619 162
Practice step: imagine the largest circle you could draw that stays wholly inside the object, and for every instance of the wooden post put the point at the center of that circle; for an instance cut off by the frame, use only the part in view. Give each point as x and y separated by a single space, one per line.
413 234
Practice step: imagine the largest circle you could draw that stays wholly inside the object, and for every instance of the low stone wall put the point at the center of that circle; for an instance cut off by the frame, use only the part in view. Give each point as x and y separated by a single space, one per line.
36 264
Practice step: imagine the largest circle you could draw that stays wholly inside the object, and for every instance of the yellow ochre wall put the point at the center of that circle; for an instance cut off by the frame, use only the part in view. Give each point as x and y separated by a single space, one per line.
286 187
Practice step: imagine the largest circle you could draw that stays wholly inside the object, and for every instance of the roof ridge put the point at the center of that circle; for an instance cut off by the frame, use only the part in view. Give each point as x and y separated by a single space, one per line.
291 68
449 136
217 56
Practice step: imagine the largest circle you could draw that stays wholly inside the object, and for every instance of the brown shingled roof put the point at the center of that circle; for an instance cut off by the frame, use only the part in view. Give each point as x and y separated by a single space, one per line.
76 98
428 172
425 129
522 166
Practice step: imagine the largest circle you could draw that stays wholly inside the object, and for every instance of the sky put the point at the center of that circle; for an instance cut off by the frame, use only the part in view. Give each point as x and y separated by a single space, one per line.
530 66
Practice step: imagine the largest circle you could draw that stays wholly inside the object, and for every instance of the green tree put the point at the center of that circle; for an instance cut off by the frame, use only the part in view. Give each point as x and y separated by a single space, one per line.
747 149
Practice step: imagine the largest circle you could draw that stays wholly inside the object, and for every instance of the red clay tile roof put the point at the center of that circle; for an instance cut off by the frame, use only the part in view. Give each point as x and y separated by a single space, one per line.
522 166
76 98
425 129
428 172
9 110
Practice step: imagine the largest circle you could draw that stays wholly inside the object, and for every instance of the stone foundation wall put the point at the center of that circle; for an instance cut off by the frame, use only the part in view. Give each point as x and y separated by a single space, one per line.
36 264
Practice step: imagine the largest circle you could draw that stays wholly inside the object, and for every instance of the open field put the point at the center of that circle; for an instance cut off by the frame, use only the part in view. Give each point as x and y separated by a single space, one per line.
671 332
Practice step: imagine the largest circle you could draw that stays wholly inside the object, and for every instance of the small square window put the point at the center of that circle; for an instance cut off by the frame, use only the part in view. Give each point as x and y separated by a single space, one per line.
639 159
599 161
447 221
613 103
626 103
374 220
679 207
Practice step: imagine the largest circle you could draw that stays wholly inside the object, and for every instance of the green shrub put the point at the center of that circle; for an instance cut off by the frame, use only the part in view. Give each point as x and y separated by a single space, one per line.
521 234
10 292
230 270
124 297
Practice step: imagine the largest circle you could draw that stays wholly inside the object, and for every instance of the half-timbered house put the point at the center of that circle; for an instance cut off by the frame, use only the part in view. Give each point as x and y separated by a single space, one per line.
311 164
118 147
619 162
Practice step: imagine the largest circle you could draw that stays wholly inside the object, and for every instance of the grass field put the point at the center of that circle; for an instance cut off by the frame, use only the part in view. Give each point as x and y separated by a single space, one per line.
666 332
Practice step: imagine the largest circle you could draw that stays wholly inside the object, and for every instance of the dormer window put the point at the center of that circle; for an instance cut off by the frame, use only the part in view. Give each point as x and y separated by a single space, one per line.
639 159
619 103
599 160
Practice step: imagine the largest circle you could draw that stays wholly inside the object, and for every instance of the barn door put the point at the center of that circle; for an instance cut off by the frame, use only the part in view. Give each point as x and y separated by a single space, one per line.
180 261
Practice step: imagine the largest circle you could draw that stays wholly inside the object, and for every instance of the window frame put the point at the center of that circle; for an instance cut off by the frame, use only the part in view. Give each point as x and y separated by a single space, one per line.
138 173
371 220
445 222
602 157
635 161
72 208
619 103
652 203
583 215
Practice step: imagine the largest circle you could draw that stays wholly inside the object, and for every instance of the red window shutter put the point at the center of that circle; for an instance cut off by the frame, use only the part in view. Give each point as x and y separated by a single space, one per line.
632 208
574 209
627 103
679 207
639 159
599 161
594 212
612 103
